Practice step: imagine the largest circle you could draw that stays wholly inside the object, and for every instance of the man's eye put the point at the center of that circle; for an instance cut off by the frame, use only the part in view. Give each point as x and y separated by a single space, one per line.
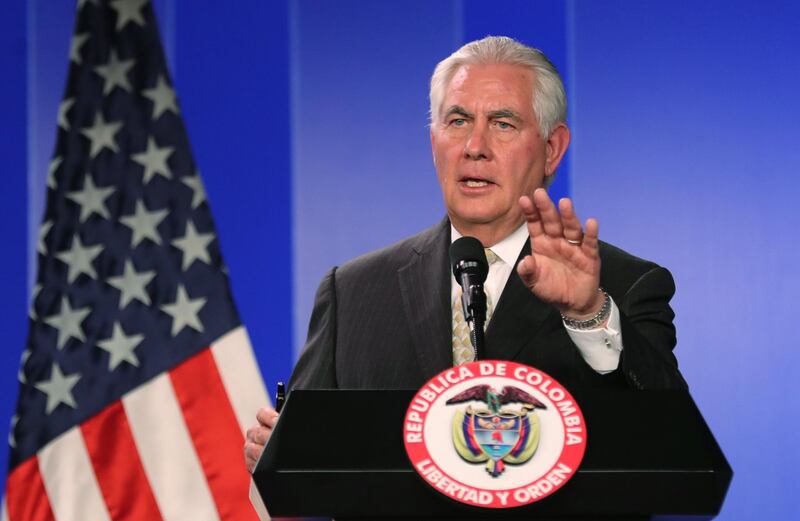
458 122
502 125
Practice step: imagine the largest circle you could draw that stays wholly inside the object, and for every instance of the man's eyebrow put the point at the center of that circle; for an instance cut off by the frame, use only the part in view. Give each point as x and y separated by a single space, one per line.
504 113
461 111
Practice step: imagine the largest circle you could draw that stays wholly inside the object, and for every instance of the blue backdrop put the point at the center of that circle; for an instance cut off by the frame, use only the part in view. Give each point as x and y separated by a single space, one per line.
308 121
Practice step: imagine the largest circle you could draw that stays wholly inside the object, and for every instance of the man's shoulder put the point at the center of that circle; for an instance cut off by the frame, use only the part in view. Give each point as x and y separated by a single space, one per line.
395 256
616 254
622 269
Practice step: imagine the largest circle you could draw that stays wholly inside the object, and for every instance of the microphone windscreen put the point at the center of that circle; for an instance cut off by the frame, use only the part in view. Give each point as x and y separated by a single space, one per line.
468 249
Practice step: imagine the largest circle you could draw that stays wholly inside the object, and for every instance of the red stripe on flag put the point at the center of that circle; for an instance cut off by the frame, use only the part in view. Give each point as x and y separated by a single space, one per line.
26 497
120 474
215 432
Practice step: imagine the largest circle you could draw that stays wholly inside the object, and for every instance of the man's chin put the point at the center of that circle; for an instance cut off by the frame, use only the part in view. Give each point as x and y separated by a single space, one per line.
484 220
473 219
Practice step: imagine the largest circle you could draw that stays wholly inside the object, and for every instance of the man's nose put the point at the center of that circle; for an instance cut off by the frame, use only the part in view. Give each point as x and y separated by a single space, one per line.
477 145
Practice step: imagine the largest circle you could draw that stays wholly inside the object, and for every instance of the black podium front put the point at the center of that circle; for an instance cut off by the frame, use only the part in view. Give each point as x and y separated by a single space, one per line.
340 454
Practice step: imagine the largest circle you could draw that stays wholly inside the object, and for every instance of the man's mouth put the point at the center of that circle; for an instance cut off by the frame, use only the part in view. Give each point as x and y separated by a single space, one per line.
474 182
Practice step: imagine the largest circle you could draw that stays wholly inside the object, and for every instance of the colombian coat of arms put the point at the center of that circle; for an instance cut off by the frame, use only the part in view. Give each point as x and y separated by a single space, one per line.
494 434
505 430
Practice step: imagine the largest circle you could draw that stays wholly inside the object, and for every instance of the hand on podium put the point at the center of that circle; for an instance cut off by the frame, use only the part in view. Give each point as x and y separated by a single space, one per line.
257 436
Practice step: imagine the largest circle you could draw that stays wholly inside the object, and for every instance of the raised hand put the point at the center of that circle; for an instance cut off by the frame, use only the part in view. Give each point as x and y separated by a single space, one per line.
564 267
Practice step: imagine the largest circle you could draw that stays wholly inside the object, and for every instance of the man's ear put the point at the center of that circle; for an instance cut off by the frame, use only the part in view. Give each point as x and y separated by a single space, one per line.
433 142
555 148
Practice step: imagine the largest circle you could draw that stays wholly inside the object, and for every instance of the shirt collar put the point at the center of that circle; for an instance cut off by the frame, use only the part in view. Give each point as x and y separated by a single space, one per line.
508 249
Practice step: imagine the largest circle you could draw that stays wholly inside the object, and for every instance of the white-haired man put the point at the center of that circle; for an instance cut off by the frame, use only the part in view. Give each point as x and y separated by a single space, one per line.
579 309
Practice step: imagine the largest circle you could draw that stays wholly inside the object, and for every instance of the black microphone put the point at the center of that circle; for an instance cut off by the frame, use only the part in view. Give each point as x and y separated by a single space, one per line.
470 269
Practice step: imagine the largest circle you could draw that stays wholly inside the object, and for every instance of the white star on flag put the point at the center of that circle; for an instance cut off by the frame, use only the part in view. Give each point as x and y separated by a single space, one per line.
58 389
163 98
12 441
63 108
144 223
198 191
51 172
79 259
22 360
41 246
101 134
75 47
120 347
154 160
194 246
115 73
184 311
91 199
68 322
131 285
128 11
37 288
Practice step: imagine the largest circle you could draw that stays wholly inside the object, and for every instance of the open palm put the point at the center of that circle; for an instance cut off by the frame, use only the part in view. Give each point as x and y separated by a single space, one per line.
564 266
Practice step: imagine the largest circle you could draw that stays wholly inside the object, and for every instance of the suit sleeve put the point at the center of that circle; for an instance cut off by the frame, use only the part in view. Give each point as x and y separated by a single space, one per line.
316 368
648 333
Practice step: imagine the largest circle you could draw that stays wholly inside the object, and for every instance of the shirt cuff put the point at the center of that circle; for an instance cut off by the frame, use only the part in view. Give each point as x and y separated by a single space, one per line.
601 347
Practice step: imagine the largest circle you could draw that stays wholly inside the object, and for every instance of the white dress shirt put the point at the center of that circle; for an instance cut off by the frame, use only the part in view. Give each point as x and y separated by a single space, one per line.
599 347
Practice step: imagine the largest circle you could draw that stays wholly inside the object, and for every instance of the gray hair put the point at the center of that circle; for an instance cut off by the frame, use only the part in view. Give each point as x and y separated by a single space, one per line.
549 98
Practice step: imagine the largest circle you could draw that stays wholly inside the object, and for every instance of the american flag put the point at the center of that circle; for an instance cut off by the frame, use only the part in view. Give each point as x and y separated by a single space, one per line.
138 379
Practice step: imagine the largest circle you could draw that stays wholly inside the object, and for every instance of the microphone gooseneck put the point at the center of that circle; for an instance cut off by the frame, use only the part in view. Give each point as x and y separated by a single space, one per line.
470 270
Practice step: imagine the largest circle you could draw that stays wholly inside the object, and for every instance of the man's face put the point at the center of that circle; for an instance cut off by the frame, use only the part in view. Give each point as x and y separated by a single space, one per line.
487 148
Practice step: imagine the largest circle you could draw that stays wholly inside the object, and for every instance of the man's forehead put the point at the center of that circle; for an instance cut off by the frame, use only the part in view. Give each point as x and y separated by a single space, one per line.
488 89
502 112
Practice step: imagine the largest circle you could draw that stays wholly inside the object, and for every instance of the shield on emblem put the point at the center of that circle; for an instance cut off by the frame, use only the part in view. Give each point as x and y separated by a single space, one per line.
496 434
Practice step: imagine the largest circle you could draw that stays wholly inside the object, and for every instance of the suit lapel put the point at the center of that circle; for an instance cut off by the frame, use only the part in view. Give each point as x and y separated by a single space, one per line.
517 319
425 288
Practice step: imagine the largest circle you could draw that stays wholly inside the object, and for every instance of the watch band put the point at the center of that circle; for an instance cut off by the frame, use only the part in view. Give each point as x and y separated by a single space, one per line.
591 323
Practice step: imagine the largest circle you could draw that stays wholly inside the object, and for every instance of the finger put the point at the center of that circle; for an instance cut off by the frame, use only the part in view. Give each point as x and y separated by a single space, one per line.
570 221
526 269
267 416
591 242
258 434
249 463
252 453
531 216
551 221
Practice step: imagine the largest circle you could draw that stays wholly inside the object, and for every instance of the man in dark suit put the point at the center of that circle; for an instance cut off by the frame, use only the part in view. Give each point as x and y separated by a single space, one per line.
578 309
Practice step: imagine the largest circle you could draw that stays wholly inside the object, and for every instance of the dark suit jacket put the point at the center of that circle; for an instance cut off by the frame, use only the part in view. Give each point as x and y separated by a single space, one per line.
383 321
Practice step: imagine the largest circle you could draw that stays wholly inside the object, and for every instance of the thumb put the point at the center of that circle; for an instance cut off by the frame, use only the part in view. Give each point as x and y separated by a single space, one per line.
527 271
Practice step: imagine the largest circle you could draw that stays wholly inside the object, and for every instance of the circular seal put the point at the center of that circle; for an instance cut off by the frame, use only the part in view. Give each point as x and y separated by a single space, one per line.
494 434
